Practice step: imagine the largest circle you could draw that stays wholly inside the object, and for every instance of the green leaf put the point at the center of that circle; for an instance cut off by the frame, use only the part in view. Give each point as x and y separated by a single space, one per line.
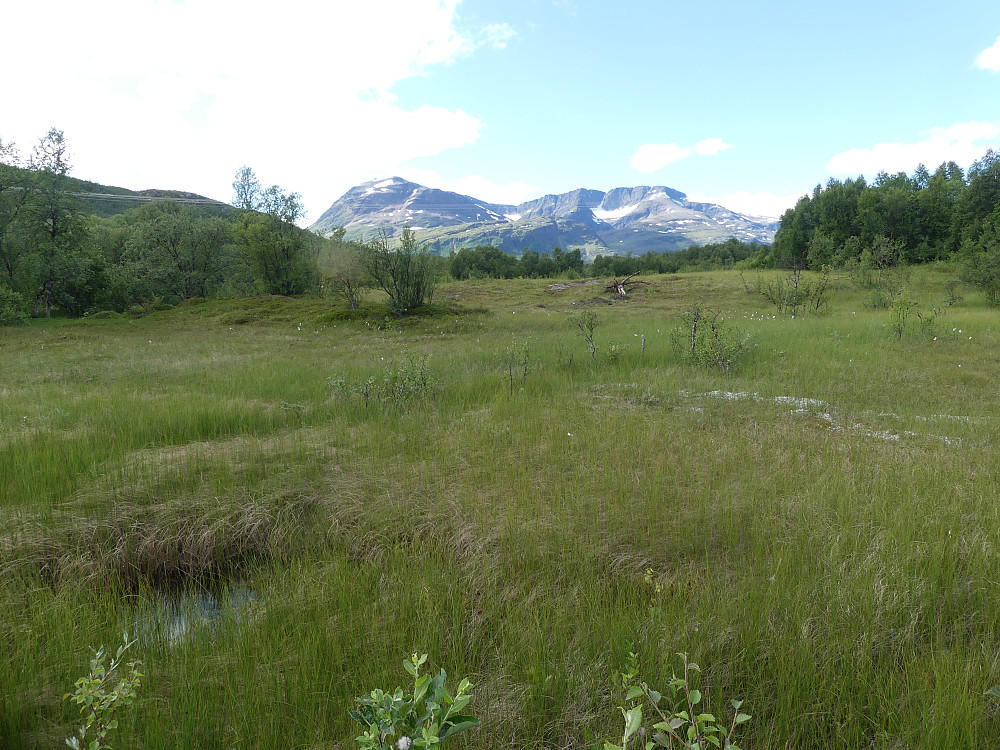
460 703
655 696
408 666
740 718
661 739
736 704
635 692
420 688
609 746
633 719
705 717
695 697
458 724
993 692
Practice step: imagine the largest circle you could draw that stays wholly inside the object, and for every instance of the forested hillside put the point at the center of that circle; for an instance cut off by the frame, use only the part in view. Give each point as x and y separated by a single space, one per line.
72 247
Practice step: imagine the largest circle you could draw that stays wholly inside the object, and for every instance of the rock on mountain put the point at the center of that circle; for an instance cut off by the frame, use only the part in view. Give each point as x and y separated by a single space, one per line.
623 220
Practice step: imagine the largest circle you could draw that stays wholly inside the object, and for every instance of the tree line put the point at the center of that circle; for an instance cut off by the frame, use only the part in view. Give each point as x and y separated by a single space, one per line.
922 217
56 256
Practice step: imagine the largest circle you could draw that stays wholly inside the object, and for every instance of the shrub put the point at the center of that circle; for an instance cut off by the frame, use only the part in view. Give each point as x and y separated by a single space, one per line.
406 273
586 322
881 271
793 293
400 386
13 311
706 339
427 716
97 703
682 722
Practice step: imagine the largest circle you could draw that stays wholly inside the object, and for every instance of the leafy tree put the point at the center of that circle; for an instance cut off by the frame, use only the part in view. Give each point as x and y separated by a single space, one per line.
58 227
184 254
981 260
346 275
14 195
276 250
406 273
246 190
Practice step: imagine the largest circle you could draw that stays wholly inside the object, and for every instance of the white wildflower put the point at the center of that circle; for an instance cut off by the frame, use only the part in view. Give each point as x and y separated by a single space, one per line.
404 743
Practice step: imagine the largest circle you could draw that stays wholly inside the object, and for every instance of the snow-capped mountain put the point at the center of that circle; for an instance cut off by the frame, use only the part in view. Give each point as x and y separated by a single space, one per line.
623 220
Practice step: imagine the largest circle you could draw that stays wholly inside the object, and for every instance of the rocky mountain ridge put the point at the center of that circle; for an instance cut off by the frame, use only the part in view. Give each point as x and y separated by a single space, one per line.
620 221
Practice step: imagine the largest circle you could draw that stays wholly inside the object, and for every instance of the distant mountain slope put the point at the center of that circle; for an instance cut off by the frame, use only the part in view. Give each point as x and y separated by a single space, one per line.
620 221
108 200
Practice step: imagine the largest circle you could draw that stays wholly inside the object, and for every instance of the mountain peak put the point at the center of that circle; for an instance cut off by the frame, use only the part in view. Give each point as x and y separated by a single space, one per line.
619 221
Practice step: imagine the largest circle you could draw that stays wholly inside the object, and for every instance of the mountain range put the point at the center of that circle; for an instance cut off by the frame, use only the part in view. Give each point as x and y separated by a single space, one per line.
621 221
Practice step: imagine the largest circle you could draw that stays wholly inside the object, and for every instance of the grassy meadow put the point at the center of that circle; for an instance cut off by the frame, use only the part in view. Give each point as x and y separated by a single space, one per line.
822 521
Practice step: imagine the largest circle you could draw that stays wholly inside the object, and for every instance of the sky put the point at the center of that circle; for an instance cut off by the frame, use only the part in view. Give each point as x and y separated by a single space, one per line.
749 105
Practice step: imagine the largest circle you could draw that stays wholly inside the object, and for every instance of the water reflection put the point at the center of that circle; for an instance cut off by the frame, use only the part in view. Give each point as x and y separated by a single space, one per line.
185 614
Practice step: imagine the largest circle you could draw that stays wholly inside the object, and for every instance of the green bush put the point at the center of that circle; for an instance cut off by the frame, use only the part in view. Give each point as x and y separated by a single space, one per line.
682 722
707 340
425 717
98 705
13 311
400 386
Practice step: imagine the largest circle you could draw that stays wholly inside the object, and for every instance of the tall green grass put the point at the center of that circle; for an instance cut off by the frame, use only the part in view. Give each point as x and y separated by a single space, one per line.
832 562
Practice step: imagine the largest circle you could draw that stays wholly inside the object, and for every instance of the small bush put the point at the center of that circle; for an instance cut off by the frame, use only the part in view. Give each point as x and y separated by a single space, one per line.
97 704
427 716
401 386
681 718
615 351
706 339
13 311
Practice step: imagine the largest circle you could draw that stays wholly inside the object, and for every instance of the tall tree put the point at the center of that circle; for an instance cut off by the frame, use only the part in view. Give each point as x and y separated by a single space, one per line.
14 194
275 249
59 226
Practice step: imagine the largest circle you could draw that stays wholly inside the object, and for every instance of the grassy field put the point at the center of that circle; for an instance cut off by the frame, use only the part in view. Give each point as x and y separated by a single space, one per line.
822 521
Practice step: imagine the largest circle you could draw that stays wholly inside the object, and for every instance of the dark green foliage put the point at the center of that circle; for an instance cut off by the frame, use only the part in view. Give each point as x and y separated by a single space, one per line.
276 253
281 256
981 259
13 311
488 262
931 216
406 273
695 258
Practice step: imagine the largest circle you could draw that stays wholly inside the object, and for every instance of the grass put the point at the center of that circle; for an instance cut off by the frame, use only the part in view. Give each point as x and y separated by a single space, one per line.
831 562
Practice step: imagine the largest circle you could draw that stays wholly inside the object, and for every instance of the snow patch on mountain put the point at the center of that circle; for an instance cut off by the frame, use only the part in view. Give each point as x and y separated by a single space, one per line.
615 214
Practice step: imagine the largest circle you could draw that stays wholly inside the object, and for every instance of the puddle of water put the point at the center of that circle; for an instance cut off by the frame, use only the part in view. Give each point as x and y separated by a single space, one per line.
180 616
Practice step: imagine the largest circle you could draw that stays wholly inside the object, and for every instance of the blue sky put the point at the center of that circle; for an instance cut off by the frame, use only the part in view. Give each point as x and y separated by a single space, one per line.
748 105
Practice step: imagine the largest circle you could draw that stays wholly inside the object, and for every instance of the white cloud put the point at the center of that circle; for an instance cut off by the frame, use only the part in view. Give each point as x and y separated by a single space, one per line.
179 95
652 157
962 143
763 204
989 59
497 35
511 193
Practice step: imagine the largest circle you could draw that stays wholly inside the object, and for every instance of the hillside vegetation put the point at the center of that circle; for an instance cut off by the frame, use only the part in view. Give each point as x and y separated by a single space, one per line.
282 500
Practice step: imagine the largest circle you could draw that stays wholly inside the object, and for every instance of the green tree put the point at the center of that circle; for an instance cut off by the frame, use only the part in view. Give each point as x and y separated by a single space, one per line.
406 273
279 253
981 259
14 195
183 252
57 226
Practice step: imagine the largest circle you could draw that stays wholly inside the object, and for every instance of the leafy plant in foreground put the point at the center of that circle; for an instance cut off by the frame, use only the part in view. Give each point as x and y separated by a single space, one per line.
426 717
681 723
97 703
